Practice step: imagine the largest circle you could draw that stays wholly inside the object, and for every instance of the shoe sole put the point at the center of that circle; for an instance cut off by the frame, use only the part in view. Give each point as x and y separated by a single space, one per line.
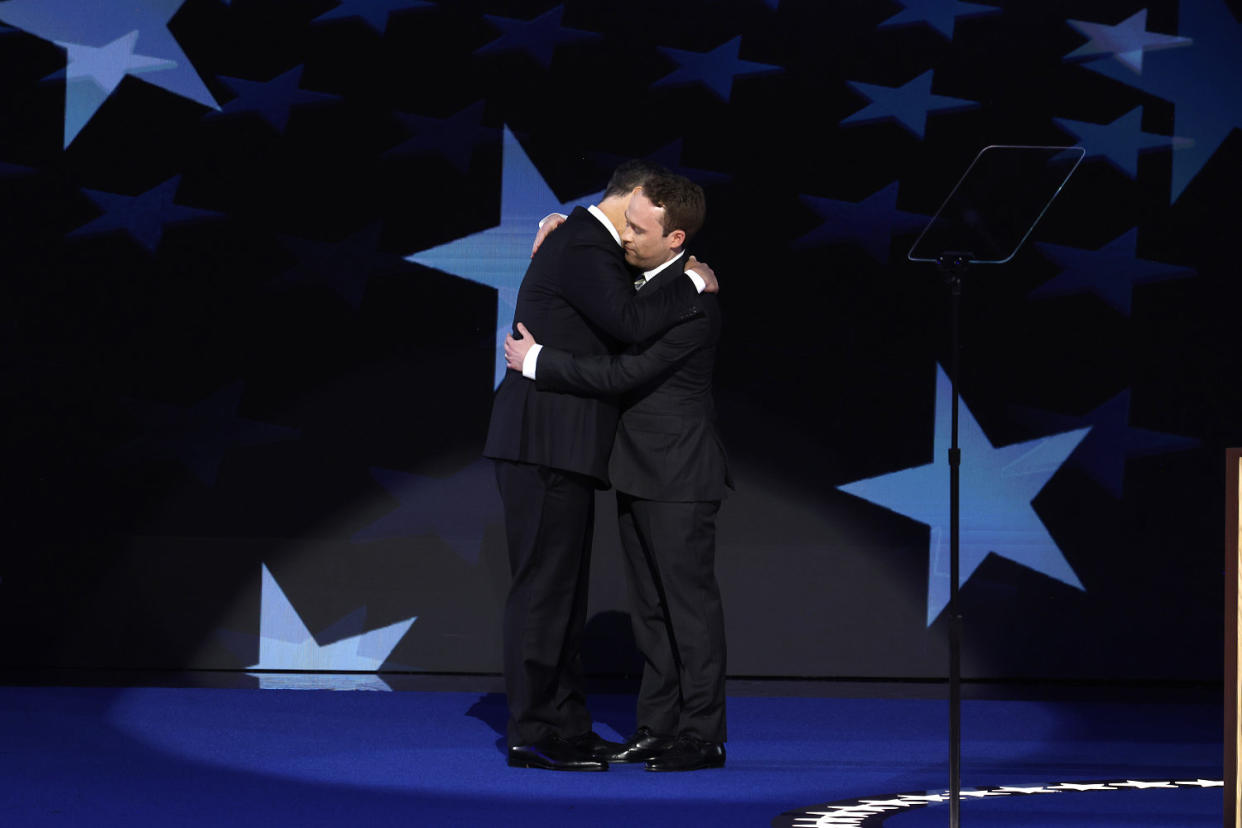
708 766
537 766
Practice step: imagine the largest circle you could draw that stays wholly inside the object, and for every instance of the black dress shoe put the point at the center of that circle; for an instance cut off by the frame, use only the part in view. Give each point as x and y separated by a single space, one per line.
642 746
595 746
689 753
553 753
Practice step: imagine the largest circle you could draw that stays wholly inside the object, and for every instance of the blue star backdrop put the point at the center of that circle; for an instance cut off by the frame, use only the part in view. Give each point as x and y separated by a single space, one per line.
997 487
260 255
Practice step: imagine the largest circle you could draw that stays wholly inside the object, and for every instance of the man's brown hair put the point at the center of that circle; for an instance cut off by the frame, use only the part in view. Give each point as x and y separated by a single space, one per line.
685 205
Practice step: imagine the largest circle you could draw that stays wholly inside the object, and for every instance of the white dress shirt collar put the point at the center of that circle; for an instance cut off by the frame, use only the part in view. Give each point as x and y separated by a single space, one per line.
607 222
655 271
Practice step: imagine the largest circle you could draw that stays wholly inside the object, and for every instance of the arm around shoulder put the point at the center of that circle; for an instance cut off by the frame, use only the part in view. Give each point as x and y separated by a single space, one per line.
601 288
602 376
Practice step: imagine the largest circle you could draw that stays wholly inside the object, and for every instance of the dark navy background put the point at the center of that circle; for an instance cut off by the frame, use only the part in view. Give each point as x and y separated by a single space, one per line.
217 355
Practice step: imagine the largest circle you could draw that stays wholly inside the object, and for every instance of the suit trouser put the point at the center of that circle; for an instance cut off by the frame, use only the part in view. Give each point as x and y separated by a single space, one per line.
549 520
677 614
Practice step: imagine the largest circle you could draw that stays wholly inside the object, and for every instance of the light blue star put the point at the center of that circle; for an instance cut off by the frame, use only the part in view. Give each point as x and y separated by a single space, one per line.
1198 79
1126 41
107 41
498 257
1112 440
1110 272
321 681
374 12
997 487
144 216
869 223
286 644
92 74
107 65
457 509
1120 141
538 37
940 14
272 100
715 69
199 435
908 104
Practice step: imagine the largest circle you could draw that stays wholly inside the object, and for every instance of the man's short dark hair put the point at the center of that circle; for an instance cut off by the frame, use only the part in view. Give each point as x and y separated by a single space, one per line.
685 205
631 174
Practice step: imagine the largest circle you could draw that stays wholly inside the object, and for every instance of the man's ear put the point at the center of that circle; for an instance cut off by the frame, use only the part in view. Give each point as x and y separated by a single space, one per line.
676 239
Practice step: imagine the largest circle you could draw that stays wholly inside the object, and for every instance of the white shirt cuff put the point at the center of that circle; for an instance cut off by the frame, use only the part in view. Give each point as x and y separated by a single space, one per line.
699 284
543 220
528 361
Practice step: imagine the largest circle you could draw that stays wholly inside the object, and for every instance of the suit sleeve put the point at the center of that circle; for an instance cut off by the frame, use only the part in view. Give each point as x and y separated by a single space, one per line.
602 376
600 288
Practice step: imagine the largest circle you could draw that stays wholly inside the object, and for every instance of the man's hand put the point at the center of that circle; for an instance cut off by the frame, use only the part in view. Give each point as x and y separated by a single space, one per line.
706 273
550 223
515 349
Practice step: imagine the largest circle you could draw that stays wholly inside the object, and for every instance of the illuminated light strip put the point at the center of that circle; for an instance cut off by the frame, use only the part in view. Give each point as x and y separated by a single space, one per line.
872 811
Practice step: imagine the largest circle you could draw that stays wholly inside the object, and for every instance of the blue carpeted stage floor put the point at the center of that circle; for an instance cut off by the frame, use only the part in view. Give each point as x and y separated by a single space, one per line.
184 756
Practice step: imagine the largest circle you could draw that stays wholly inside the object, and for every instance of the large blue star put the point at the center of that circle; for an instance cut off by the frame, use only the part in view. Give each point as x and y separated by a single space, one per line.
1110 272
498 257
1112 440
105 42
286 644
940 14
1120 141
343 266
272 100
199 435
1198 78
144 215
715 69
457 509
908 104
1126 41
538 37
869 223
374 12
455 137
997 487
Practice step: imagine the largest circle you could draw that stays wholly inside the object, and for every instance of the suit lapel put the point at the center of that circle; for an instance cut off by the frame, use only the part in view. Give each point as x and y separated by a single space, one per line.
665 277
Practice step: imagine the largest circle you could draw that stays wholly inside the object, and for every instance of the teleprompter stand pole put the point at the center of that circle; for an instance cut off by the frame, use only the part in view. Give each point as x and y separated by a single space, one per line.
953 265
990 212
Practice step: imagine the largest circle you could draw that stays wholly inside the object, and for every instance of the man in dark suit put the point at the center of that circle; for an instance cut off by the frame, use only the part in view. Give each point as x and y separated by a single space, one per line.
670 472
551 451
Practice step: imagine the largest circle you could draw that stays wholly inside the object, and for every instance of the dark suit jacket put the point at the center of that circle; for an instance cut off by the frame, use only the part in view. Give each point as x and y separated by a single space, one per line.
666 447
578 295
